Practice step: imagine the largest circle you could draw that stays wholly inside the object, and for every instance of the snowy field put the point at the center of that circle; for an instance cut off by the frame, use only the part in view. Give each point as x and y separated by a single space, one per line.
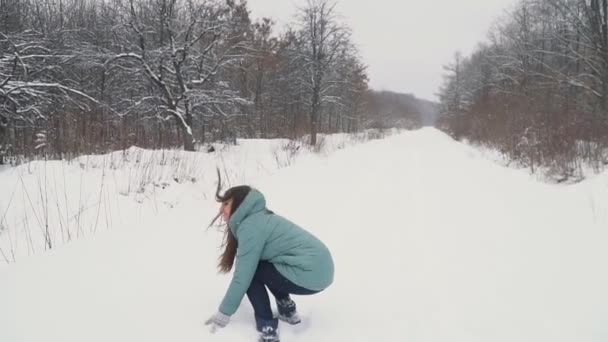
432 242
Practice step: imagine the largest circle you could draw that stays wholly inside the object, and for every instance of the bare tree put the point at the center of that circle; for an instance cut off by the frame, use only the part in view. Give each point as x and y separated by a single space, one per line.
322 38
180 50
32 83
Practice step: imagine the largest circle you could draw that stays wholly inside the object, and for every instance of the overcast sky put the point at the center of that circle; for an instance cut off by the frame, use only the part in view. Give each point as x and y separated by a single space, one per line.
405 43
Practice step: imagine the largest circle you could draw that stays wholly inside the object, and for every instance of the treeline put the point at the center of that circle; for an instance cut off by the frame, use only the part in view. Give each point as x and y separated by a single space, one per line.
391 109
538 90
90 76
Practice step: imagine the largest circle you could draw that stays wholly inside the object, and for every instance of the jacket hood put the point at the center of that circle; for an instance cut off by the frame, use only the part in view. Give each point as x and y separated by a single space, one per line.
254 202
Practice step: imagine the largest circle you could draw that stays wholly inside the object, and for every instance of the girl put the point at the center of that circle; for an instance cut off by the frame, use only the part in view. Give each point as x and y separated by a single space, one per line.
270 252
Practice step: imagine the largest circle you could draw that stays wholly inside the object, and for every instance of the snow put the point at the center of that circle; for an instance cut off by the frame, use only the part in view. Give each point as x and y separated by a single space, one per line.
432 242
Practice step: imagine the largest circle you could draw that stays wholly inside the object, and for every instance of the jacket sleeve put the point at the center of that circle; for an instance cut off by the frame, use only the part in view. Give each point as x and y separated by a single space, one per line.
248 255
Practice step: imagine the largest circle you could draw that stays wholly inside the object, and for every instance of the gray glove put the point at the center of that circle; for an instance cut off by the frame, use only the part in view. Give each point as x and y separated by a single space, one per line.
219 320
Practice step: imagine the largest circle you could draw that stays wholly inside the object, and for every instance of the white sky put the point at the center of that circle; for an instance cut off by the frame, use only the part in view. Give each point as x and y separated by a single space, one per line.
405 43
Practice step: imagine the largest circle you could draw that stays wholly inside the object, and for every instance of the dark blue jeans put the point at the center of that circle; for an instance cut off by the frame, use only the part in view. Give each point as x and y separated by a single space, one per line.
267 276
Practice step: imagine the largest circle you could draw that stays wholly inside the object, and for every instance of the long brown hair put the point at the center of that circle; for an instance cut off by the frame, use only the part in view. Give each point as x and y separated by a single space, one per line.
230 244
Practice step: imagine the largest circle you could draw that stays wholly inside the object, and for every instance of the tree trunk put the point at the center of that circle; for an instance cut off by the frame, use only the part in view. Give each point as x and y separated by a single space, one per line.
314 116
3 141
187 137
187 129
203 129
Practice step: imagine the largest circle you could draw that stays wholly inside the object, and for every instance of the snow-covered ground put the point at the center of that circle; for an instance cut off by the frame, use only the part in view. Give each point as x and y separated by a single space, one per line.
432 242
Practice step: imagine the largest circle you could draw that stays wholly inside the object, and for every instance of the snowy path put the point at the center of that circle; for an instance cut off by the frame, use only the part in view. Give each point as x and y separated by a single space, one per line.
432 242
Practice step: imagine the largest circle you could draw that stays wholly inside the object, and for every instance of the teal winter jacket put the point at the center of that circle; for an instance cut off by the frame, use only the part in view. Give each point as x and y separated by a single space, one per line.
262 235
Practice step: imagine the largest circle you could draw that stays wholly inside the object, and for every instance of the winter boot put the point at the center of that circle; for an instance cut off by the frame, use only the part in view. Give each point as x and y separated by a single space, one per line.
269 334
268 330
287 311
